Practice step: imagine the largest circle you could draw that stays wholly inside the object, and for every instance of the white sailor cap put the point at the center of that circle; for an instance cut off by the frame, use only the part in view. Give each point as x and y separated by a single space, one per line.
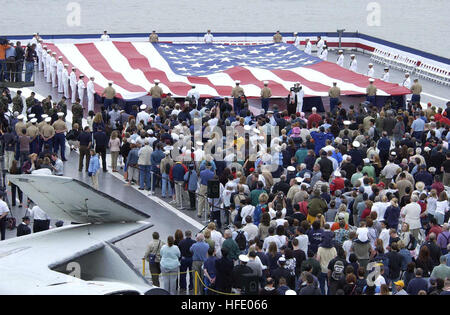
74 68
48 119
60 114
110 82
352 55
81 75
20 117
33 120
295 33
60 57
356 144
244 258
49 51
370 64
340 51
143 106
247 127
371 80
66 65
150 131
199 143
31 115
347 122
156 81
237 82
54 53
43 116
45 46
269 112
291 169
299 179
34 34
407 73
265 82
386 68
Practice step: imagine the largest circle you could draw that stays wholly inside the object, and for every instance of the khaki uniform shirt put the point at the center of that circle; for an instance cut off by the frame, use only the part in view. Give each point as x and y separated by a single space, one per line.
109 92
40 125
19 126
156 91
371 90
32 131
266 92
47 131
416 89
334 92
59 126
153 38
237 91
277 38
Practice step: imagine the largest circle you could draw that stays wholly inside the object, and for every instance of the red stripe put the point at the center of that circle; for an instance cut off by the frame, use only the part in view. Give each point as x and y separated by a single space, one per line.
99 63
221 89
332 70
98 89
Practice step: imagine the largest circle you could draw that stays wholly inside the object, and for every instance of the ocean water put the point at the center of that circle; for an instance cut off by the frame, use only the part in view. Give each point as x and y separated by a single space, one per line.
422 24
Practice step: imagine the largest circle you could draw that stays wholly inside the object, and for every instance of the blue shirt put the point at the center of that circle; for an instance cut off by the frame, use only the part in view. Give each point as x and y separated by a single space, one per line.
418 125
199 251
210 266
10 52
205 176
156 157
94 164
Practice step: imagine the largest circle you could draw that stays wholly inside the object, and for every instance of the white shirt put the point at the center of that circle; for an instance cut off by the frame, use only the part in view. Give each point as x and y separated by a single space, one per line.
65 75
142 115
384 236
104 37
81 85
245 211
308 48
407 83
252 231
90 87
195 93
385 77
216 236
347 246
3 207
412 215
303 241
297 42
53 64
269 239
370 72
73 78
59 66
320 44
353 65
324 54
38 214
380 208
442 207
340 60
208 38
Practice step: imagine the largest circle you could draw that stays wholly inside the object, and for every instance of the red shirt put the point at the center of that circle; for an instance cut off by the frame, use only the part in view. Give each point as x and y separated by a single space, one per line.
365 213
314 118
337 184
438 186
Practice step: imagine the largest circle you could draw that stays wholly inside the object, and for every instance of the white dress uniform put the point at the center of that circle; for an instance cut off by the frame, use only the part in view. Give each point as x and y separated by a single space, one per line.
59 70
47 64
324 54
195 93
90 94
385 77
53 65
33 41
340 61
39 54
208 38
354 65
320 44
104 38
297 42
73 85
300 96
44 62
81 88
143 115
370 72
65 82
407 83
308 48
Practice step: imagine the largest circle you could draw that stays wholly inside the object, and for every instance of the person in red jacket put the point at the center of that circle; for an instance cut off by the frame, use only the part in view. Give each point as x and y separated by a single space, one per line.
338 183
314 118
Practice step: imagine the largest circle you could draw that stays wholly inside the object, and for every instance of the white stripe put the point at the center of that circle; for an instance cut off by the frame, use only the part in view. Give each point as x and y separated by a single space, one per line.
157 61
82 64
436 97
120 63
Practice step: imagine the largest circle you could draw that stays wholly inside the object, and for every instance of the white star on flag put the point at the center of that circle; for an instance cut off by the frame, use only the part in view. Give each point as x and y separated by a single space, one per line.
182 50
193 47
282 48
182 69
237 49
209 50
254 51
179 62
164 46
197 65
169 53
214 66
226 59
270 54
198 54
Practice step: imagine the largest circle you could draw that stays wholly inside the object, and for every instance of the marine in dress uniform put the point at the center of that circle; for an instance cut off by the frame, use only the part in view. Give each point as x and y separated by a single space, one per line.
65 80
341 58
353 63
59 72
385 77
81 87
371 70
53 66
77 113
153 37
266 94
47 133
18 102
416 89
156 92
277 38
33 133
90 94
73 84
334 93
109 93
236 94
60 128
371 91
308 47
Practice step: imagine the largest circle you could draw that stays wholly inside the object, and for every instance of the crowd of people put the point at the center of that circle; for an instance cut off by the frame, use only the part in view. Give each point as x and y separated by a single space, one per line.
348 202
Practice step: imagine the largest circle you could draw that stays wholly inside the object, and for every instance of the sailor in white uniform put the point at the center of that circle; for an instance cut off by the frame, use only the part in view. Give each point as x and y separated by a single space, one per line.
296 41
371 70
385 77
320 43
193 93
44 60
81 88
308 47
300 95
90 94
143 115
35 39
39 50
324 54
105 37
47 65
208 38
59 70
407 81
65 80
53 64
73 84
353 64
341 58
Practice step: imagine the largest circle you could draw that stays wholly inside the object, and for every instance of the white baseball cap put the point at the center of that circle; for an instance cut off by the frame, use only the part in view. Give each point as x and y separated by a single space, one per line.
356 144
143 106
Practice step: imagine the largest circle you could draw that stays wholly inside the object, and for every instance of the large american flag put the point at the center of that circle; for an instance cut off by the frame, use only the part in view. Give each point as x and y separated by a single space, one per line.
213 68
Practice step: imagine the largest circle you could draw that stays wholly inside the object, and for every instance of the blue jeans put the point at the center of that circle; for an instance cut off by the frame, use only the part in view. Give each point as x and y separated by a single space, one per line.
155 174
185 264
156 102
333 103
60 142
323 277
144 176
166 187
265 104
29 66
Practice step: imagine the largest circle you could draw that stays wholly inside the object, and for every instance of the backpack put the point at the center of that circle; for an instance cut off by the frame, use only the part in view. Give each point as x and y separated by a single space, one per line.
238 217
338 270
241 240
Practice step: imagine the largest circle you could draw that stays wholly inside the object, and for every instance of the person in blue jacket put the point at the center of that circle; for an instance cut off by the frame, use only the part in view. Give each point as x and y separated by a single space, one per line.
94 166
320 139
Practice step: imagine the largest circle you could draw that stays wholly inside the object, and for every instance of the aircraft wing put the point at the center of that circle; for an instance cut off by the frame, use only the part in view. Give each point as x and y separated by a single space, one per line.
68 199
